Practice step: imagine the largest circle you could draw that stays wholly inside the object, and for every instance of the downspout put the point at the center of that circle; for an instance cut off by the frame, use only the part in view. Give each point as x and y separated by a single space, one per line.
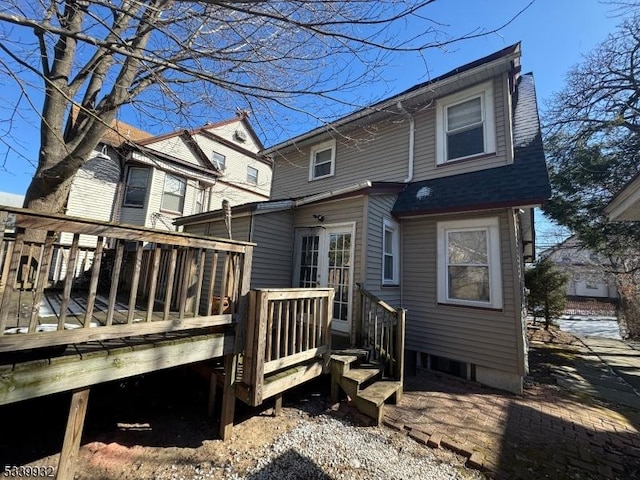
412 142
412 136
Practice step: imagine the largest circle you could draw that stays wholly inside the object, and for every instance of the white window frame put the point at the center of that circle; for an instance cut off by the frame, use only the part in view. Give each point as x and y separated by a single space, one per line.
389 225
492 226
125 203
164 190
250 176
331 144
484 91
220 162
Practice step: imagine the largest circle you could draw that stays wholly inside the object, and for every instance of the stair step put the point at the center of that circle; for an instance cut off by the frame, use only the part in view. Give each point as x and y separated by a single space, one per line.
378 392
344 359
361 375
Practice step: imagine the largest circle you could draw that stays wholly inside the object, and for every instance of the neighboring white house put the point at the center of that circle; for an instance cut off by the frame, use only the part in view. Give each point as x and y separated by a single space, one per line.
587 273
136 178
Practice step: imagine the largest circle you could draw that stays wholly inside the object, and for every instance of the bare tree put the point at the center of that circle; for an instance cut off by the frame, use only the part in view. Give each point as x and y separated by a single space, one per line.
177 55
593 150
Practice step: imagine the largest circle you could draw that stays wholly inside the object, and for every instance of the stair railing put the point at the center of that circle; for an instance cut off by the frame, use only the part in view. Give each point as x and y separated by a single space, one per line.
382 330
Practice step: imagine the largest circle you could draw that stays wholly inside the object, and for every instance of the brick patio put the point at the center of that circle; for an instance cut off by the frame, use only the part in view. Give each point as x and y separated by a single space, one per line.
545 433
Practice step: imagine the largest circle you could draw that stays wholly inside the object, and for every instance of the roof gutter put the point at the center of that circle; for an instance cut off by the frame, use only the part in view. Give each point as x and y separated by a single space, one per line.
333 193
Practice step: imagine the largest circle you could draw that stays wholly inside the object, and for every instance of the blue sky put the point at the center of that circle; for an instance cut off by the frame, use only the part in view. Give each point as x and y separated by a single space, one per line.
554 35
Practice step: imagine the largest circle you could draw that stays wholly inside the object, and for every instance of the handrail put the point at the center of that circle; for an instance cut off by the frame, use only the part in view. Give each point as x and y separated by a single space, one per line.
145 281
285 327
382 331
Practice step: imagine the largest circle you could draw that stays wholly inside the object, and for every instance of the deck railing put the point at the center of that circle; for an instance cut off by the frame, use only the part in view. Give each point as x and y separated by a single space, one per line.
382 330
131 280
285 327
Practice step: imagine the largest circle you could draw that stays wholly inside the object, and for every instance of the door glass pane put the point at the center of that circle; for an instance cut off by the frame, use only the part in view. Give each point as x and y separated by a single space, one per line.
339 257
309 261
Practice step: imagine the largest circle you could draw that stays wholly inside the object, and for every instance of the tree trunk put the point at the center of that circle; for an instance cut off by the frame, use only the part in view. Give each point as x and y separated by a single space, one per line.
629 309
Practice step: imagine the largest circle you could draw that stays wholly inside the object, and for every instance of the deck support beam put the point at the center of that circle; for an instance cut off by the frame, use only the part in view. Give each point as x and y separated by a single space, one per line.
73 434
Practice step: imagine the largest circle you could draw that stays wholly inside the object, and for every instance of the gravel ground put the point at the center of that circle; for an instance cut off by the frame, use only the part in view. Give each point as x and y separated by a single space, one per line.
328 448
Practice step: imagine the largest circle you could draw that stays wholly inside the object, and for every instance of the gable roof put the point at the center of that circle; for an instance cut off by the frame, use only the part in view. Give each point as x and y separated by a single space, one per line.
525 182
506 56
121 132
241 118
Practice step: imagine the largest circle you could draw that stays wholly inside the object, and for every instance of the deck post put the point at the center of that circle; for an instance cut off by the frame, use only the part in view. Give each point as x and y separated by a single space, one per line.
402 313
277 408
228 396
73 434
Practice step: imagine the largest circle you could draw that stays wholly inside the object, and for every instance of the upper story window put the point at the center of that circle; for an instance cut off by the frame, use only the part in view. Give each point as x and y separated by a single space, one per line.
465 124
252 175
390 252
323 160
469 268
136 189
173 193
219 160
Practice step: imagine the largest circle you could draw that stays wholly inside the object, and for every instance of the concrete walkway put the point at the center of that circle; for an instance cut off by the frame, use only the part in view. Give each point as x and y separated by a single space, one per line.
585 426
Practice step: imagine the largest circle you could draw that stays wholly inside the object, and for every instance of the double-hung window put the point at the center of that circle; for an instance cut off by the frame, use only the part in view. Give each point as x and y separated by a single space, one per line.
390 252
469 268
465 124
252 175
173 193
136 188
322 161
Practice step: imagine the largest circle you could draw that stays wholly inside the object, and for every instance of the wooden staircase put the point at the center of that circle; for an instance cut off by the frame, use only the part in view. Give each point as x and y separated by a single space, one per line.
363 382
372 374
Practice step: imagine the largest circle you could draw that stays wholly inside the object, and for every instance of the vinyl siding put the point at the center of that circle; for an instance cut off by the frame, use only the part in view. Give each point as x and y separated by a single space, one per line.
483 337
228 130
235 173
377 152
273 254
380 151
176 147
93 193
379 208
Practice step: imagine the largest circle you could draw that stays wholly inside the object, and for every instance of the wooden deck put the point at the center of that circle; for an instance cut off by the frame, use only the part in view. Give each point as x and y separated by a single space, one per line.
83 302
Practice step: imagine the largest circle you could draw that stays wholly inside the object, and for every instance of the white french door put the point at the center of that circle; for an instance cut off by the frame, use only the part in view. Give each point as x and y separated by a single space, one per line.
324 258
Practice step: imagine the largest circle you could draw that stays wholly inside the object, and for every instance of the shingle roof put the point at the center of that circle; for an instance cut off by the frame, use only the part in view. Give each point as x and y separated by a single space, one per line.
524 182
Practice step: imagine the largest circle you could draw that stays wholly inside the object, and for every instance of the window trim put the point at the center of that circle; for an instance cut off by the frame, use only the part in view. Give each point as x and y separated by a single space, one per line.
321 147
485 92
183 180
126 187
394 228
249 181
492 226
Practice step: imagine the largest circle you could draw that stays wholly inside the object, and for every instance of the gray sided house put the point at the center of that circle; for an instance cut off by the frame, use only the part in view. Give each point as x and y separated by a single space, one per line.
425 200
